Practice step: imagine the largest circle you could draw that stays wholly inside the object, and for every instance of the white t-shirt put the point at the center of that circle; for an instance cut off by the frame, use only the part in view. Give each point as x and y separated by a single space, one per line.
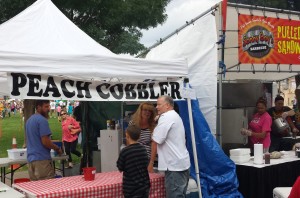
169 134
52 105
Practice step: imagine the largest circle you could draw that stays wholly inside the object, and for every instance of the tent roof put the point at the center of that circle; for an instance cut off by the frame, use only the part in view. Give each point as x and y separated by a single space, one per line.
44 29
43 40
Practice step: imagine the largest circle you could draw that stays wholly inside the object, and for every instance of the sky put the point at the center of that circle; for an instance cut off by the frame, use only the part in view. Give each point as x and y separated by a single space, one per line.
178 11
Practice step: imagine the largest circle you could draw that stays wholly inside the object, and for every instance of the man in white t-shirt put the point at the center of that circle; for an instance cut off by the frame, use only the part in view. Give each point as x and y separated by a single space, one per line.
52 108
168 140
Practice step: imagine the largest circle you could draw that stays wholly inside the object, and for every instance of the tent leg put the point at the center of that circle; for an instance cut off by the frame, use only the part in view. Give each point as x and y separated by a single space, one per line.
194 146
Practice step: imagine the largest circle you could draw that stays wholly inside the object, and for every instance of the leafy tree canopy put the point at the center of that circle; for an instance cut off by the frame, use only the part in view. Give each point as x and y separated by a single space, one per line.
115 24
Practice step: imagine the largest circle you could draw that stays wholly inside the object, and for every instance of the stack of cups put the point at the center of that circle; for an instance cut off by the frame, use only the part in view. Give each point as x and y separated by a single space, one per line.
258 154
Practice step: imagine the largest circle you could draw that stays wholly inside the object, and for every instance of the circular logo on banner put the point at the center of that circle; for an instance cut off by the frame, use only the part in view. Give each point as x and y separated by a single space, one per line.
258 41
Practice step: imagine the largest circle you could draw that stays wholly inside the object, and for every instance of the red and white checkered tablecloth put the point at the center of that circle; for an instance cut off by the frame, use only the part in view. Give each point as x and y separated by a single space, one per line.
105 185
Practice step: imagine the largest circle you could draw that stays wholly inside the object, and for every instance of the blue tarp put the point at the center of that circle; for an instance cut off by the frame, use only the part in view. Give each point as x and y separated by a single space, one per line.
217 172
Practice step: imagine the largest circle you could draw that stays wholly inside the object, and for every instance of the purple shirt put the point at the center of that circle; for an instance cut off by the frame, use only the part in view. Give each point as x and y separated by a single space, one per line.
37 126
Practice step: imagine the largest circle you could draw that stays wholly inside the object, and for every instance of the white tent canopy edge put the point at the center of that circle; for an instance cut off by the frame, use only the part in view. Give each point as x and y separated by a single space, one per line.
37 51
197 43
42 40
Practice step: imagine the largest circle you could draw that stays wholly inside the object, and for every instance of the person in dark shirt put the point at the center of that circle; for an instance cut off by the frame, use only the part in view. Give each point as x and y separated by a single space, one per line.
278 111
133 162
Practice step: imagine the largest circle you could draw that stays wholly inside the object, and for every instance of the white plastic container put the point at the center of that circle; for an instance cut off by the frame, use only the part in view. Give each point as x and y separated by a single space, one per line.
240 158
18 154
239 151
52 153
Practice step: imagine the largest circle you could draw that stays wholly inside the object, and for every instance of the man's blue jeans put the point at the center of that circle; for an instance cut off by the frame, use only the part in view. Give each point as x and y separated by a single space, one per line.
176 183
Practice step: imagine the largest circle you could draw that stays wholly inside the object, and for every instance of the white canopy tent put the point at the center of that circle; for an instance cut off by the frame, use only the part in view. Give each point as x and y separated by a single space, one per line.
41 40
197 43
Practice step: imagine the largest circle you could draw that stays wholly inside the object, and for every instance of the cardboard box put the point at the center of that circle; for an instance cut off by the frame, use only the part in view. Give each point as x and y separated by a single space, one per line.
19 154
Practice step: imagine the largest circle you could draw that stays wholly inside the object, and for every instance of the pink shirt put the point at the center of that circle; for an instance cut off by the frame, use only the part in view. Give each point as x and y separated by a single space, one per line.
258 124
66 133
58 109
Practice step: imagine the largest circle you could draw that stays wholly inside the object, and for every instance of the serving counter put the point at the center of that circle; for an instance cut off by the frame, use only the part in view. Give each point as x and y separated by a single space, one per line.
259 180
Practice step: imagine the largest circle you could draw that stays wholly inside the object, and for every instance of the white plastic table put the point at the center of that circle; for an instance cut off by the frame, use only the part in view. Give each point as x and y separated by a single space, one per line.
7 192
5 162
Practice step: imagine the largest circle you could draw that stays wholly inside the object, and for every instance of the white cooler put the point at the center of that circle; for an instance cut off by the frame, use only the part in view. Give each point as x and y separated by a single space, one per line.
18 154
240 155
239 151
239 159
281 192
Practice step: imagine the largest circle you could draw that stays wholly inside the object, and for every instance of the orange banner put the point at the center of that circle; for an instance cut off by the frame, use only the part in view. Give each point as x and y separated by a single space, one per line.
268 40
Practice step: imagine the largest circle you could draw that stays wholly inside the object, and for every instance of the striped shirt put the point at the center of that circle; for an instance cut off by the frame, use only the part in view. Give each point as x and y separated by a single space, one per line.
133 162
145 139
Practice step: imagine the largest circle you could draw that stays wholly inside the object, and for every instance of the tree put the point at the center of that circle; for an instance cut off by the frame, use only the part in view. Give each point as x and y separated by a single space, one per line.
8 8
115 24
29 109
297 5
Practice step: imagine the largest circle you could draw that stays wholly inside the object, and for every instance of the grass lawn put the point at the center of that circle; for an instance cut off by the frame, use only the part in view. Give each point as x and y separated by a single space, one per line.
13 126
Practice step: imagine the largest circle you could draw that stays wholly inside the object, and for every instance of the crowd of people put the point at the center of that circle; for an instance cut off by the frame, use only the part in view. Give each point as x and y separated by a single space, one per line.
147 136
10 108
56 106
153 131
264 129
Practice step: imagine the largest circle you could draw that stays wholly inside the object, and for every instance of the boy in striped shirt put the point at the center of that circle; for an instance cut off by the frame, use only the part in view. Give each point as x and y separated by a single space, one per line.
133 162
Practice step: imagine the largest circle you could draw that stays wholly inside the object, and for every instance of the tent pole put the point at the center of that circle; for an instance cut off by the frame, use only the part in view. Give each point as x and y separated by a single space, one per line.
143 53
193 141
219 118
87 137
219 130
221 70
